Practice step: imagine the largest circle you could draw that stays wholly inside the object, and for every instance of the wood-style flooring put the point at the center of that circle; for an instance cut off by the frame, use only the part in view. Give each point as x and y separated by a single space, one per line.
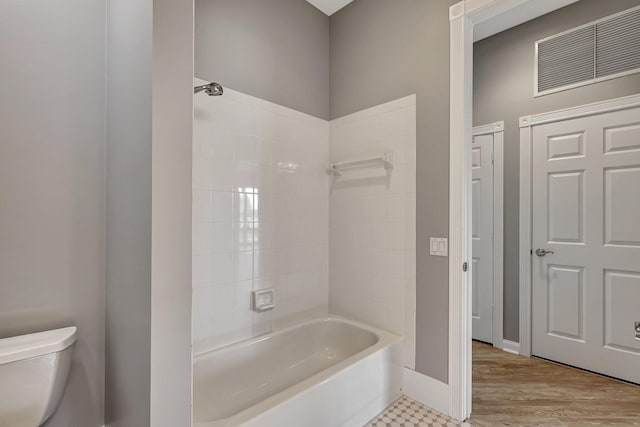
511 390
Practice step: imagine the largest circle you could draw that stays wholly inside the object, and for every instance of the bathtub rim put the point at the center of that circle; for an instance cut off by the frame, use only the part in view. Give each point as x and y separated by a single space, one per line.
385 339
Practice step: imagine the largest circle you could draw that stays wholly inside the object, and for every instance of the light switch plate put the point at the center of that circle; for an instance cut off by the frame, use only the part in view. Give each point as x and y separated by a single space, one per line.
439 246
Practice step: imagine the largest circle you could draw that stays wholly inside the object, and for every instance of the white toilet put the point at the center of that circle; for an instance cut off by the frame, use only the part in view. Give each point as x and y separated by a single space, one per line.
33 373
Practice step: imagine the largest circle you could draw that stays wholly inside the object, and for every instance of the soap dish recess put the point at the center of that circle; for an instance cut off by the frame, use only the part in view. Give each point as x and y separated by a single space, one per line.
264 300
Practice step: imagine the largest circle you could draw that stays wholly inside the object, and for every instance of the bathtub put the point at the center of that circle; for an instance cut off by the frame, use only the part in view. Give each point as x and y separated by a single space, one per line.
325 372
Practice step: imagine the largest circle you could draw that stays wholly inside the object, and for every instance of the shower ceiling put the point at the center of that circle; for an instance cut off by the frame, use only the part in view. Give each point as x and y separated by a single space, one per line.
329 6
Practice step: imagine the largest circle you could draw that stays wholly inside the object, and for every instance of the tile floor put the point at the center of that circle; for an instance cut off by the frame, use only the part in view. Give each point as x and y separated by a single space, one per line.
409 413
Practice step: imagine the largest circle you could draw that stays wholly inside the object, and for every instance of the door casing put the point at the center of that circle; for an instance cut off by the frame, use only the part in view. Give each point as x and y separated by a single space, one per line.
497 130
469 21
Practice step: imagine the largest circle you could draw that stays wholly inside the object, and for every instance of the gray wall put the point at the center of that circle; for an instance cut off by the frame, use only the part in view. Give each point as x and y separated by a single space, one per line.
128 267
148 273
52 165
171 361
503 90
276 50
382 50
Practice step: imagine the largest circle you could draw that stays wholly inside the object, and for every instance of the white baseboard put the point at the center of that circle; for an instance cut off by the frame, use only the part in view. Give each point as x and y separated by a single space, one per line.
426 390
511 347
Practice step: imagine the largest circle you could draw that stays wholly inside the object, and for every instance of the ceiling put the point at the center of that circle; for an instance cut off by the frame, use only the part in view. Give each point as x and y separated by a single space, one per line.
329 6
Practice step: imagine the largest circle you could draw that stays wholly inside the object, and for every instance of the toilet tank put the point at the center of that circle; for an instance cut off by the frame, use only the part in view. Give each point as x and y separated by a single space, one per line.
33 372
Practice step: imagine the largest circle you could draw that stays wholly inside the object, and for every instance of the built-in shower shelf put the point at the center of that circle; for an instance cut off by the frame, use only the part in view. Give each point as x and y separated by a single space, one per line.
385 160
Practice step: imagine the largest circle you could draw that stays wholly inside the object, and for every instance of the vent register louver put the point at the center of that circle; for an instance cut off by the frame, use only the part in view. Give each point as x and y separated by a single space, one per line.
601 50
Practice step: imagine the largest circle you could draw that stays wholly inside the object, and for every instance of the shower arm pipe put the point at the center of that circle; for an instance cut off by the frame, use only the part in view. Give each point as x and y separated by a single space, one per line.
386 159
211 89
199 89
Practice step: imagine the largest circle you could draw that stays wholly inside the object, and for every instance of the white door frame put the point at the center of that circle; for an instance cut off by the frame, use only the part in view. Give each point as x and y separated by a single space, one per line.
488 17
497 130
526 170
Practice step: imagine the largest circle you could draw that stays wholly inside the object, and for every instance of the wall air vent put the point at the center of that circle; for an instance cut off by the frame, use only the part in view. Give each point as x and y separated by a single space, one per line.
598 51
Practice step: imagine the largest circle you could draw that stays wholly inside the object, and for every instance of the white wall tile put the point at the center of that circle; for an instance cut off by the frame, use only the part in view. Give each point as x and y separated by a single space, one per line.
242 266
262 323
395 205
396 264
222 268
221 173
396 235
372 221
264 235
263 207
395 291
266 215
261 194
245 147
222 206
242 295
243 236
202 270
221 150
202 302
201 332
202 173
202 206
397 319
264 263
223 297
223 237
246 177
243 207
202 242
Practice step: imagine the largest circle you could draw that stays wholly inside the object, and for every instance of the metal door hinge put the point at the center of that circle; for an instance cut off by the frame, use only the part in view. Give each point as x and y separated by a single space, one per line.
465 267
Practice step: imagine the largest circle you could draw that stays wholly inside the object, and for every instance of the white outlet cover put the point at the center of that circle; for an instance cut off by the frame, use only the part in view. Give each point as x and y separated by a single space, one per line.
439 246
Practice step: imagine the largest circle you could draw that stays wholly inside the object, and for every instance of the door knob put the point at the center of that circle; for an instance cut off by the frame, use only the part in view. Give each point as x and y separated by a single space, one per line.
543 252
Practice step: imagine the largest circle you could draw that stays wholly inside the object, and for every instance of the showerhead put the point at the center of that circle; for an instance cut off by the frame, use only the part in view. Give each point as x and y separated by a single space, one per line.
211 89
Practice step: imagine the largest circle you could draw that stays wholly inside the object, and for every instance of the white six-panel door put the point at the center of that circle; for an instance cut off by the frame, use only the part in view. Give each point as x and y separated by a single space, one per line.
482 234
586 212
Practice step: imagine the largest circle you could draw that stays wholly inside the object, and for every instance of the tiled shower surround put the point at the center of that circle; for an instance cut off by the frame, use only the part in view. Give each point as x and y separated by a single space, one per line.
373 221
261 217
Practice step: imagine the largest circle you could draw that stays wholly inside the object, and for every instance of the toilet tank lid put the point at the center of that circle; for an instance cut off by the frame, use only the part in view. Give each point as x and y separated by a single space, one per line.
37 344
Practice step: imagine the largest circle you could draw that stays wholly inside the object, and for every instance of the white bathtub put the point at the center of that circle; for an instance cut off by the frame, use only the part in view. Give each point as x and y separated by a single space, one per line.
325 372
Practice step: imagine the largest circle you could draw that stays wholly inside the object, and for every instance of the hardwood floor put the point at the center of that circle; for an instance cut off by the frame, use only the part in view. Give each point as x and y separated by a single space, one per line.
511 390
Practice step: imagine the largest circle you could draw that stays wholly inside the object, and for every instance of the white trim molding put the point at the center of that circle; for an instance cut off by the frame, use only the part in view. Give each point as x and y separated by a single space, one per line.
487 129
511 347
460 216
607 106
525 241
527 124
497 130
426 390
463 16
